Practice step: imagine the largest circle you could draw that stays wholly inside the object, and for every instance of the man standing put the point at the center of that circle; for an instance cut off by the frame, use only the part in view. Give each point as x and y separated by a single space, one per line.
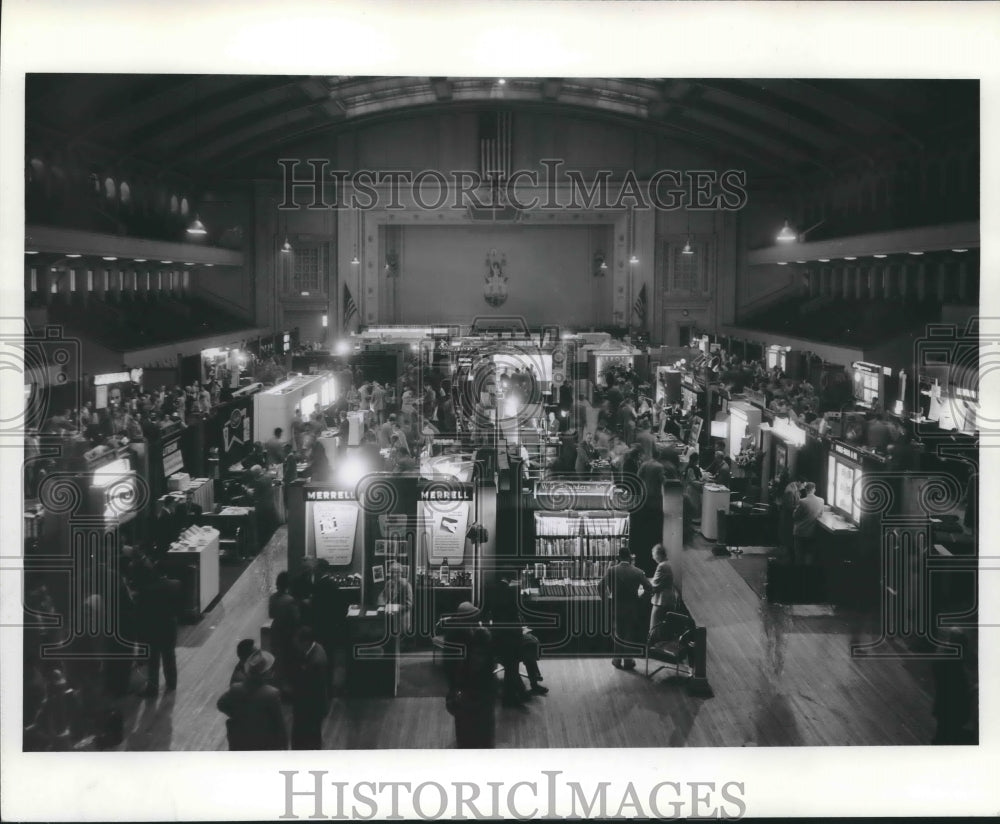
627 420
398 597
275 447
285 617
378 402
804 519
310 692
664 595
254 709
299 428
622 584
385 432
159 602
471 683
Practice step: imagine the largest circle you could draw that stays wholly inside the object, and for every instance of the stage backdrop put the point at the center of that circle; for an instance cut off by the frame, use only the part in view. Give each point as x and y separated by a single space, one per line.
548 270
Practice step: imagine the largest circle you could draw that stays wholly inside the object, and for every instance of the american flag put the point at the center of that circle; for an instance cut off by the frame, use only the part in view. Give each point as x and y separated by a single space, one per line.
350 307
639 307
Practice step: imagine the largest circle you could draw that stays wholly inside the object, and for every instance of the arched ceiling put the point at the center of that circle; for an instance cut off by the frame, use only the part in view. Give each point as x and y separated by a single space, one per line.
215 126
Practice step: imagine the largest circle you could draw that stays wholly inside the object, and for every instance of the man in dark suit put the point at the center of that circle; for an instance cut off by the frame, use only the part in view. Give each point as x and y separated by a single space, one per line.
253 707
158 606
310 692
514 644
622 584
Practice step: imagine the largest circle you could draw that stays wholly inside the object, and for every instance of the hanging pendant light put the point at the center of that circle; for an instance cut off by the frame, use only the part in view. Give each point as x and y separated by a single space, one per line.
197 227
687 250
787 234
286 247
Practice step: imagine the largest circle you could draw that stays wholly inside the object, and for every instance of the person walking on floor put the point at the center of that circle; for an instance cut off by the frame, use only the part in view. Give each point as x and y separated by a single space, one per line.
253 706
621 584
310 691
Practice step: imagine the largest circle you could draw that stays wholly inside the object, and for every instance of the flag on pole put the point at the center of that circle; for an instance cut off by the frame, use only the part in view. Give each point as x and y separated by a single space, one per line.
639 307
350 307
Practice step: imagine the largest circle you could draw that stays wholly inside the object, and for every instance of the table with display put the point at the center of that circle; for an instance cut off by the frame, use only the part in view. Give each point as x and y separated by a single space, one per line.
567 615
194 560
372 654
748 525
834 573
238 526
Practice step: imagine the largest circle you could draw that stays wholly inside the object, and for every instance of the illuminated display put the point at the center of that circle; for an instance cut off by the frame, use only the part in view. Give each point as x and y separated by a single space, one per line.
867 379
843 484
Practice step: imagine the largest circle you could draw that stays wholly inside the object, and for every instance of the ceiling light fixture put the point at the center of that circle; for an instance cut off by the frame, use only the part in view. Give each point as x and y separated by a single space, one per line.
140 260
850 257
72 256
166 261
782 262
197 227
824 260
502 81
109 257
960 250
916 253
35 251
787 234
881 256
800 261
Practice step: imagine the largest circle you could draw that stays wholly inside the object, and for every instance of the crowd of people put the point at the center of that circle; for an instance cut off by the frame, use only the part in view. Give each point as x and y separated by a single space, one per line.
308 638
77 673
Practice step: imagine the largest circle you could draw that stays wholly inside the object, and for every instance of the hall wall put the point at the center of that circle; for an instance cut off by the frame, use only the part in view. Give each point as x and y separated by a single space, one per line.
549 270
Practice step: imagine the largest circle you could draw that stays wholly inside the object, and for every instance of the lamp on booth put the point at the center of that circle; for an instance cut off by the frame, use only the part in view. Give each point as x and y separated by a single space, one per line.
196 227
600 264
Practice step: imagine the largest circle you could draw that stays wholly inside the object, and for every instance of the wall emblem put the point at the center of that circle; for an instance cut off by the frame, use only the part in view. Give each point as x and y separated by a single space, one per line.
495 291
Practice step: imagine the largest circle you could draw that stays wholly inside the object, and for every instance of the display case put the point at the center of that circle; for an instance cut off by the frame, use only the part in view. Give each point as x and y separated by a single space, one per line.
573 551
843 482
668 385
744 423
871 385
275 407
777 356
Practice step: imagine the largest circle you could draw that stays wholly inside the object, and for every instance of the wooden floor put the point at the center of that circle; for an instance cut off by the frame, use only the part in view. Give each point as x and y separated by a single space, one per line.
779 678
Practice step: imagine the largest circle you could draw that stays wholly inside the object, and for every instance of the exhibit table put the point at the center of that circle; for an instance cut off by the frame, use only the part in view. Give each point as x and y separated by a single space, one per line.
714 499
748 526
356 427
198 551
202 493
577 622
372 654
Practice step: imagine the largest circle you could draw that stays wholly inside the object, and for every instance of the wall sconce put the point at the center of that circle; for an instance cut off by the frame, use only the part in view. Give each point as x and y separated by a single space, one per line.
391 265
600 265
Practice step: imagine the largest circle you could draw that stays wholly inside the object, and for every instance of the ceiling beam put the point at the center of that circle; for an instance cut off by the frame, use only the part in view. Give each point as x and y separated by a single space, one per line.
442 88
211 111
898 241
54 240
198 123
